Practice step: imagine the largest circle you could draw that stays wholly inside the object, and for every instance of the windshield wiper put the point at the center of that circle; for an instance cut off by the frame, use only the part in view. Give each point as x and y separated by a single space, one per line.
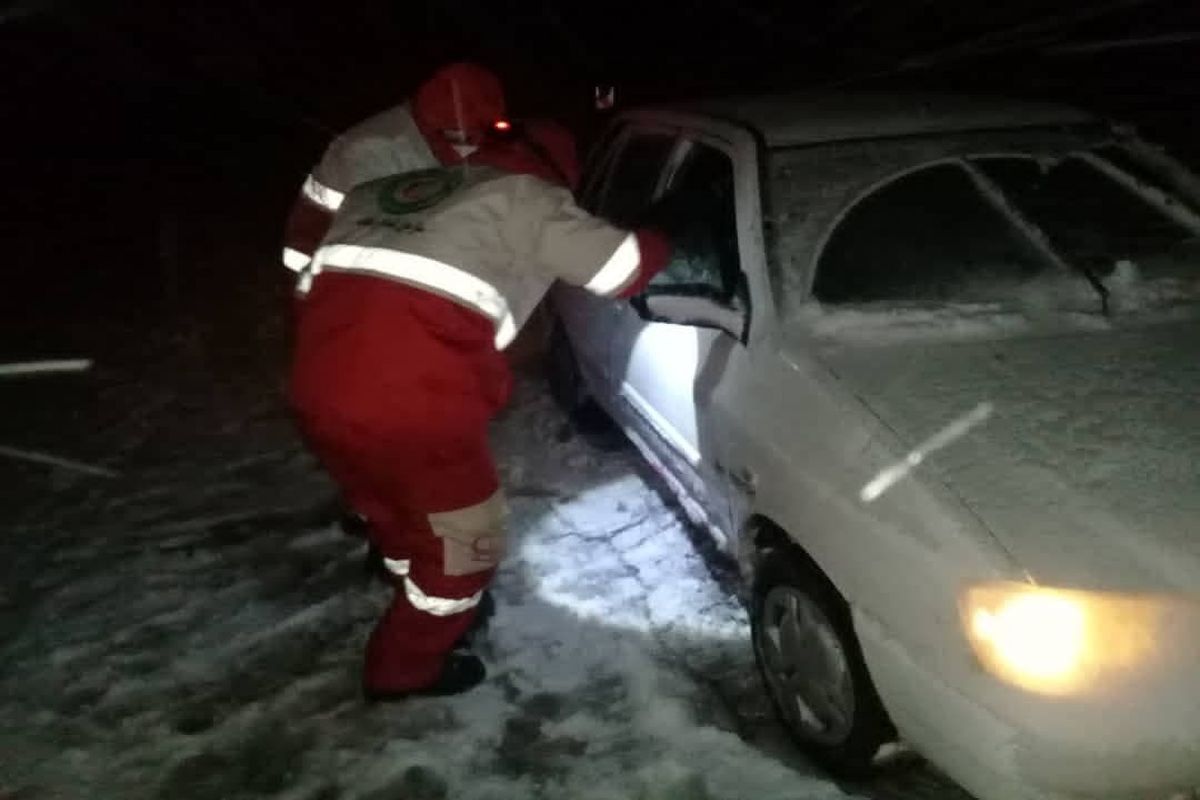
1036 237
1096 283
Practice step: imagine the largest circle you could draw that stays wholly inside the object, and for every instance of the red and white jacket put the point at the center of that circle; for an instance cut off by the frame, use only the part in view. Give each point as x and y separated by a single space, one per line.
388 143
488 239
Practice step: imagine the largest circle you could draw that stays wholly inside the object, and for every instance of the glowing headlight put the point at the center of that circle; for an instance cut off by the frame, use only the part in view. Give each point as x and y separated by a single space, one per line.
1057 641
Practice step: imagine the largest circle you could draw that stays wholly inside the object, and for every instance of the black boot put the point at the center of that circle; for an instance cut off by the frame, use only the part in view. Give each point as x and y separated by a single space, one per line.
483 615
461 673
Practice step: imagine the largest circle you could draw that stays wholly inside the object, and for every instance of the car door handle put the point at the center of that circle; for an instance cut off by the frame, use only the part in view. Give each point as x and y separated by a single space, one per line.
743 479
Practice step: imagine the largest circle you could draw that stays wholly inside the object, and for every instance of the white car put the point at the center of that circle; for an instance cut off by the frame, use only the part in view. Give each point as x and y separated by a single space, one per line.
929 367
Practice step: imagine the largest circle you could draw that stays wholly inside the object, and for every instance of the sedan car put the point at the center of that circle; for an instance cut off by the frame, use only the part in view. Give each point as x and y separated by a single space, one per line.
928 367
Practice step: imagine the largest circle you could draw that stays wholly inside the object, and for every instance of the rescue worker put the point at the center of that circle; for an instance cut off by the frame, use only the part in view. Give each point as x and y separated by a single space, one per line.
394 142
444 242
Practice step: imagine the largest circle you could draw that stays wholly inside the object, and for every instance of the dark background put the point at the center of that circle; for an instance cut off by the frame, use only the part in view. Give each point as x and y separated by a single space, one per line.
151 149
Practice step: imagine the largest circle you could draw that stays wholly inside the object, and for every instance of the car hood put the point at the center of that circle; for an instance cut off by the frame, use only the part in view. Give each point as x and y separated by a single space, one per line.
1080 452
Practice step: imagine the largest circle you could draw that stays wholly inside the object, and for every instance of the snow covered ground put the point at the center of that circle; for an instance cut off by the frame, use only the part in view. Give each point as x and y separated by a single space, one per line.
191 628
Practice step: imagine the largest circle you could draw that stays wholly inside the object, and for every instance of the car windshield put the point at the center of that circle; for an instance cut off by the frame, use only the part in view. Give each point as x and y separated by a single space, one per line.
1033 221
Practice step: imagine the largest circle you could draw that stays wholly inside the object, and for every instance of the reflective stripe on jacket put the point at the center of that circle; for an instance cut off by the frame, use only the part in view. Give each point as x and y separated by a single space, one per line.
388 143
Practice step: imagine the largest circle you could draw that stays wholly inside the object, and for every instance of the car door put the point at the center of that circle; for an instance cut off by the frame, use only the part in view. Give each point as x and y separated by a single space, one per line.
623 179
672 344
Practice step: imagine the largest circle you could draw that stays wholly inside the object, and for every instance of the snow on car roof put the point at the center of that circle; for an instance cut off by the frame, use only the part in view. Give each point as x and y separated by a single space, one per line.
811 118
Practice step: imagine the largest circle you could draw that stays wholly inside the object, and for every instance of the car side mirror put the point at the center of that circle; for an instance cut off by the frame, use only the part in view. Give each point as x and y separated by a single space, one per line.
694 309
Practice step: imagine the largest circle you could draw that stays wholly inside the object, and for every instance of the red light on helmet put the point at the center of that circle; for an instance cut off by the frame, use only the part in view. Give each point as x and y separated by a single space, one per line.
502 125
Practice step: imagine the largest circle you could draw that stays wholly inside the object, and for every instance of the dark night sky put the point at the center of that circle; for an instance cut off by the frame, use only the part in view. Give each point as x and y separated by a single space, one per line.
320 65
116 105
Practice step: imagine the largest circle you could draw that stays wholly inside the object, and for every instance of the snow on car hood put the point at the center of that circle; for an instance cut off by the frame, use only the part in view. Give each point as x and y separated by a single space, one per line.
1088 467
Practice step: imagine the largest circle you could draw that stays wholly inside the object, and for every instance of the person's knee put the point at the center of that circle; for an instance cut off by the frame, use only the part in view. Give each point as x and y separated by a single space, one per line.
473 537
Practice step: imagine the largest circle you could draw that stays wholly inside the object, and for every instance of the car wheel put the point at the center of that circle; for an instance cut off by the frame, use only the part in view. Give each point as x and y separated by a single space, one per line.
812 665
568 389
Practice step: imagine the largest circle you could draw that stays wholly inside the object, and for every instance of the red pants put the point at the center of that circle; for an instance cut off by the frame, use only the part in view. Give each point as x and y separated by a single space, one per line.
393 389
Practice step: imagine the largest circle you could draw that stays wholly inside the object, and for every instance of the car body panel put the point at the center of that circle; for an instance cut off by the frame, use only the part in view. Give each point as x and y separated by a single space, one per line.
657 360
1120 518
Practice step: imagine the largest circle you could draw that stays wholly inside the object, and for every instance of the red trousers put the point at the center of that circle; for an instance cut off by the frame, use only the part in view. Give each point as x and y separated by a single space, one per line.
393 389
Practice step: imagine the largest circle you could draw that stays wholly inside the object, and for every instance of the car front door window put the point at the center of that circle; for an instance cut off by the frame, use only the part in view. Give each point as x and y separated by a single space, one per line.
703 283
635 177
627 177
698 213
598 166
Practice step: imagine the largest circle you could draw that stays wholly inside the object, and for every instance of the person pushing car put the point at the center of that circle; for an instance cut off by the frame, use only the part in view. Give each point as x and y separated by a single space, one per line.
422 245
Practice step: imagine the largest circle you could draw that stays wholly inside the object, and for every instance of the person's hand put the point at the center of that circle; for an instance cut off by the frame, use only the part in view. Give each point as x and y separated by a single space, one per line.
655 251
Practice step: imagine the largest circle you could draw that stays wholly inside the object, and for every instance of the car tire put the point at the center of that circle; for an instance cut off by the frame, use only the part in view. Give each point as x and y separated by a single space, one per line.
568 388
812 666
